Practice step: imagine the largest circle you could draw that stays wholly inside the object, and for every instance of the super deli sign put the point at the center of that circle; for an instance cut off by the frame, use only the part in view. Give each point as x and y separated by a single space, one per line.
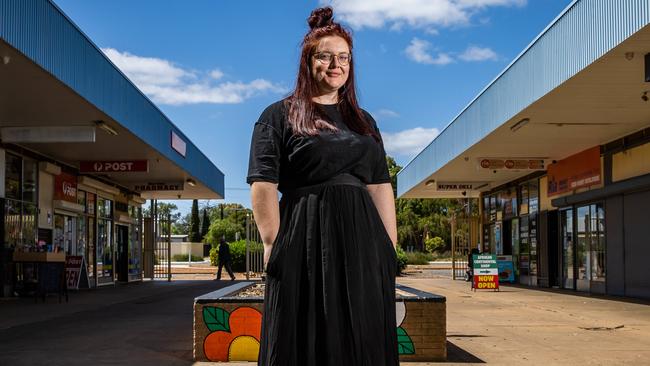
123 166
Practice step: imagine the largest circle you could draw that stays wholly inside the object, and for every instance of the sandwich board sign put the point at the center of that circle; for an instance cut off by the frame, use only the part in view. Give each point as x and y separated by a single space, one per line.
76 276
486 272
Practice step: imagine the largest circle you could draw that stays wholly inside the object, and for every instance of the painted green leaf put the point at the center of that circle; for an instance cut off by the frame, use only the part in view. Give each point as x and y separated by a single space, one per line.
404 342
216 319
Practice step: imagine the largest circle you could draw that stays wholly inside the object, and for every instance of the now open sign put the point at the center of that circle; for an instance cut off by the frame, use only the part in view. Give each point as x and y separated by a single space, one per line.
122 166
486 272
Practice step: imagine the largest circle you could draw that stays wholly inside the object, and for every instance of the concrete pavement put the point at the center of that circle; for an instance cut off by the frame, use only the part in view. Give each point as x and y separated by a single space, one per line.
150 323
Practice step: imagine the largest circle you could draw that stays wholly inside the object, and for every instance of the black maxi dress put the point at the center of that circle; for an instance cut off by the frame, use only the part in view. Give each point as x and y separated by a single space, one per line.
330 285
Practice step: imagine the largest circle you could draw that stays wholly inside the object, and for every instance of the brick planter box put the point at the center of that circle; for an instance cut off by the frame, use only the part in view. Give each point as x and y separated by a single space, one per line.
227 325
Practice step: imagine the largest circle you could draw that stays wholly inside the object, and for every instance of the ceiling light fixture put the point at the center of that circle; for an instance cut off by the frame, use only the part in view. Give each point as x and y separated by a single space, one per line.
629 56
191 182
6 60
430 182
519 124
106 128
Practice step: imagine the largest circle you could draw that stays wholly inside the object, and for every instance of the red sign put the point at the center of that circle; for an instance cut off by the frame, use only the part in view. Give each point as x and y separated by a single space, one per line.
65 187
486 282
73 266
577 171
123 166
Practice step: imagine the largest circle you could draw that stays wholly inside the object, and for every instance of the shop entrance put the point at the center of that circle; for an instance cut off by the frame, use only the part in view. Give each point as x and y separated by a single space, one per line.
582 234
122 253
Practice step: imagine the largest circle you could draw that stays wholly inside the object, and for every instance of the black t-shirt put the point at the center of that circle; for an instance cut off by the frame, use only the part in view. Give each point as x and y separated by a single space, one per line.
292 161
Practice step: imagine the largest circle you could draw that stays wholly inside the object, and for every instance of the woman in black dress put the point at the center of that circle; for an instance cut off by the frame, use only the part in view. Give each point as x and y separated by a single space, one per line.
329 243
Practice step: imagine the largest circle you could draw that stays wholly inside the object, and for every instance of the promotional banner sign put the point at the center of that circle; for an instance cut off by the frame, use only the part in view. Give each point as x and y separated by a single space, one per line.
122 166
577 171
486 272
76 276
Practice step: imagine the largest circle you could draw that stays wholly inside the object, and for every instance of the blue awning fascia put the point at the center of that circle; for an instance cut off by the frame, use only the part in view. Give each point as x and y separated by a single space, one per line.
43 33
582 33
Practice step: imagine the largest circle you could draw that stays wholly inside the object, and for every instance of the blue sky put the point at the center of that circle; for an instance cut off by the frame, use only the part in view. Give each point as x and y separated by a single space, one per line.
213 66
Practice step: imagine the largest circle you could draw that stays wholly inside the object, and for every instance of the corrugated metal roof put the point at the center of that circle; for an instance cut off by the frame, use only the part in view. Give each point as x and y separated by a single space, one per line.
581 34
42 32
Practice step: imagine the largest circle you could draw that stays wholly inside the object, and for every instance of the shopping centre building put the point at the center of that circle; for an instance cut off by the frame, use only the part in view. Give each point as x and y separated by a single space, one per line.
557 151
81 151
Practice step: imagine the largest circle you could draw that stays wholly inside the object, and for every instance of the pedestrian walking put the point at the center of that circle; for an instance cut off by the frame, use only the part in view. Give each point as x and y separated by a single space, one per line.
224 259
329 243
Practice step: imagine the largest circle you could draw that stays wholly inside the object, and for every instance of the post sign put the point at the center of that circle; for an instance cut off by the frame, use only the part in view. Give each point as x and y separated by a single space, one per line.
486 272
121 166
76 275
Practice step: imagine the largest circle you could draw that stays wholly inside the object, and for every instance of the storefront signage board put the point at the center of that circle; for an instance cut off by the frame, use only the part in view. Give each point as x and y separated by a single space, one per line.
458 186
121 166
577 171
65 187
159 186
76 276
486 272
511 164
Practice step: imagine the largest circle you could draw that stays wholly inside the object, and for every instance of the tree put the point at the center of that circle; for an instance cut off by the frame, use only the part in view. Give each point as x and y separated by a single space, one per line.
195 232
419 219
182 225
222 229
205 223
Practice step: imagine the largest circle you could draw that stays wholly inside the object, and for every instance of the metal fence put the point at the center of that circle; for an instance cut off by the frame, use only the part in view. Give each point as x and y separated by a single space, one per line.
465 235
254 249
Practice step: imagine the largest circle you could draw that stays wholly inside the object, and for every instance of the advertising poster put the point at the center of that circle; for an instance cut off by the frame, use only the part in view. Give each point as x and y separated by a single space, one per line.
486 272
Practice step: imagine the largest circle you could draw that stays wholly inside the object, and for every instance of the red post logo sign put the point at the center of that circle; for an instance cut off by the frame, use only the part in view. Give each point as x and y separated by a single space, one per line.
65 187
123 166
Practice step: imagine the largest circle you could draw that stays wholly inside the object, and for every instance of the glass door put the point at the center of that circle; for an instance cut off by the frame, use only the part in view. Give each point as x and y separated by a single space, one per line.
568 270
583 239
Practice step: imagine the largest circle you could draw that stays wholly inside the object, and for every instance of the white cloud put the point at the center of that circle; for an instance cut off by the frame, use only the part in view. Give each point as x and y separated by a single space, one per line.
408 142
166 83
418 51
415 13
387 113
216 74
474 53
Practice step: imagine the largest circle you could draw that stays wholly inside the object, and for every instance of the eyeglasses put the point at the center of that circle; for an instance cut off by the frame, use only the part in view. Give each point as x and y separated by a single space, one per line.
327 57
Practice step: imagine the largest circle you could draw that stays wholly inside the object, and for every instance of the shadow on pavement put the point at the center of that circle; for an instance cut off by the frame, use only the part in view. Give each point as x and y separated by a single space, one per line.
459 355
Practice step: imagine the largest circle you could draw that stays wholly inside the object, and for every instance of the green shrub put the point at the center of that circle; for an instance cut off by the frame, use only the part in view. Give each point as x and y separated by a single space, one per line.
237 254
183 258
402 260
214 256
434 244
418 257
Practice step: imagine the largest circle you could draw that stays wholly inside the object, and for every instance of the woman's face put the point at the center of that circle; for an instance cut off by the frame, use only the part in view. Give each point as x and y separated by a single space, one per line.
330 76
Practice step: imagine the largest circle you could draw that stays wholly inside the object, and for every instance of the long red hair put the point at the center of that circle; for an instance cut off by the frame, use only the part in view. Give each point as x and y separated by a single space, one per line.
305 117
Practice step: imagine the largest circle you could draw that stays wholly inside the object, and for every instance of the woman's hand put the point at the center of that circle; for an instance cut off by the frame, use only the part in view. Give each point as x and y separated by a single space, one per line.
266 210
382 197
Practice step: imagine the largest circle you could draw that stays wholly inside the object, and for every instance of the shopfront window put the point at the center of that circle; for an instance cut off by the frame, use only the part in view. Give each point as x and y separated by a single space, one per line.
597 226
568 270
582 247
105 248
21 210
135 245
